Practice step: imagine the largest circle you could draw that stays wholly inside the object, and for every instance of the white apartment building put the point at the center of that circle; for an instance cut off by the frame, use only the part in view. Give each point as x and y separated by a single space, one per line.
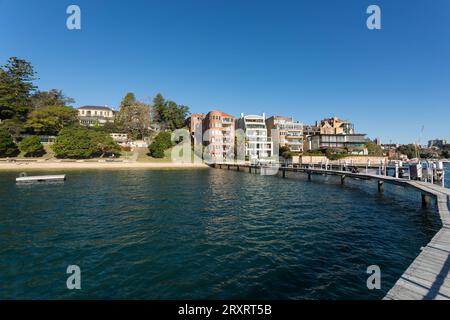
257 144
288 131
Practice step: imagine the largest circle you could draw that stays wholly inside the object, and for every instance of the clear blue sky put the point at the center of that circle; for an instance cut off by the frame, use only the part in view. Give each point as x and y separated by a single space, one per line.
309 59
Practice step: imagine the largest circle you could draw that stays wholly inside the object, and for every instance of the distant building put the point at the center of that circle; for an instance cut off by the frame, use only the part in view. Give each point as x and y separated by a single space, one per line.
95 115
310 130
437 143
389 146
289 132
354 142
336 126
218 134
336 133
378 141
257 143
120 138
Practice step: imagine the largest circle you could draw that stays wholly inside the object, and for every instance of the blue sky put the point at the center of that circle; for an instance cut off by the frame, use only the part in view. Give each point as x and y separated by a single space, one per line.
307 59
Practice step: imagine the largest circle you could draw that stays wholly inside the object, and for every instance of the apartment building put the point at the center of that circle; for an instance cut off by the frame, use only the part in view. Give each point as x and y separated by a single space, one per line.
195 123
288 132
257 143
95 115
310 130
335 125
336 133
437 143
218 135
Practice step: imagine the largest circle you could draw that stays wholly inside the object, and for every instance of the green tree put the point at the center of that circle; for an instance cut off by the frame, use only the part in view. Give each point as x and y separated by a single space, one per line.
410 150
104 144
82 143
128 100
13 126
285 152
156 149
169 114
373 149
159 106
50 120
54 97
134 120
16 87
73 143
32 147
161 143
7 146
175 115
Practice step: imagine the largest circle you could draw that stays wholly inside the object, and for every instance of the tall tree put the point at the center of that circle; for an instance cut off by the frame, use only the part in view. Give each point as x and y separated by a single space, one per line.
175 115
134 120
53 97
159 106
7 146
16 88
128 100
50 120
169 114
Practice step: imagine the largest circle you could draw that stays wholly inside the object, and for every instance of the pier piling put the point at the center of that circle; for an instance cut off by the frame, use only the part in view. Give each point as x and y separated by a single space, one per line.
380 186
425 200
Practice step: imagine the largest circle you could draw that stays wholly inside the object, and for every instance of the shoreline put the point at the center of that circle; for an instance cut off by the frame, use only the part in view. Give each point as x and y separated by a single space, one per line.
21 166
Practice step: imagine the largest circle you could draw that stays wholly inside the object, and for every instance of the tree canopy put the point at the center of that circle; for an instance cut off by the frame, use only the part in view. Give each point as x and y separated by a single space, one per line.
50 120
7 146
82 143
169 114
410 150
16 88
54 97
162 142
134 120
32 147
373 149
128 100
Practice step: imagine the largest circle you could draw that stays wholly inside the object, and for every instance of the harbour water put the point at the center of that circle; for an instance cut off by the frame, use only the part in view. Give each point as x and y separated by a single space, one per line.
203 234
447 175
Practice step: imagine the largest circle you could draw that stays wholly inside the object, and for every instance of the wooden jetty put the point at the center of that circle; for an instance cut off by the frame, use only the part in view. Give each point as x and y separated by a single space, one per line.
60 177
428 276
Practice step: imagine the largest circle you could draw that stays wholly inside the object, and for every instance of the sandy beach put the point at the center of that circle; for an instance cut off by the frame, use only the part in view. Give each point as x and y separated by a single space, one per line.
55 165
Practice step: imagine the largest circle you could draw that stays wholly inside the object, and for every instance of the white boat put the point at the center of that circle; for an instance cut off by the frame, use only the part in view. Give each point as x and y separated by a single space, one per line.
25 178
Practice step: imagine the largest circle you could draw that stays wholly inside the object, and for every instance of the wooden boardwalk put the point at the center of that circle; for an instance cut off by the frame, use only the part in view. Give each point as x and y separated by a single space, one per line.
428 276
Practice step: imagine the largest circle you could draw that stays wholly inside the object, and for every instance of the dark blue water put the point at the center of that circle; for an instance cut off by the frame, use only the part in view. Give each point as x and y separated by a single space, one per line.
447 175
203 234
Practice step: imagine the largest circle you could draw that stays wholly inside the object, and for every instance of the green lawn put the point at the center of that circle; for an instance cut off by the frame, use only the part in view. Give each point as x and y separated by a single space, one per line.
144 157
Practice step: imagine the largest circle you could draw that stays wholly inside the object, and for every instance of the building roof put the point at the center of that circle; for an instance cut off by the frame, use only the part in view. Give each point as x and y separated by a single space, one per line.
223 114
197 115
95 108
